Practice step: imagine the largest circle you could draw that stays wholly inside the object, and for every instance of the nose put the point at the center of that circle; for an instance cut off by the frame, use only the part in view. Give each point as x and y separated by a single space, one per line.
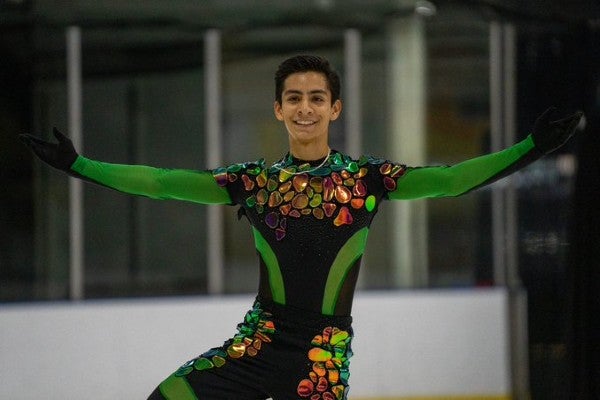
305 107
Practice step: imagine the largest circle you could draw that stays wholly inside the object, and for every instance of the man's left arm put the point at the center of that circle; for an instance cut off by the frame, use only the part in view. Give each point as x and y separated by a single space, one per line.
447 181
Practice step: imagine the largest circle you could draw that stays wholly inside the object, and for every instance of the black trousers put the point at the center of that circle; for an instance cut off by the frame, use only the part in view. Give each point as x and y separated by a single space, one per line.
277 352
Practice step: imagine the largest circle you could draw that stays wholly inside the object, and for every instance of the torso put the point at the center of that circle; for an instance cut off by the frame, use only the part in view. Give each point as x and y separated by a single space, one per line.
310 224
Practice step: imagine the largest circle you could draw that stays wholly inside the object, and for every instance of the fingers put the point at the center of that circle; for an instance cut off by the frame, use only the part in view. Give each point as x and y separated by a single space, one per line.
545 117
569 123
31 140
59 135
25 138
569 118
34 140
550 134
575 120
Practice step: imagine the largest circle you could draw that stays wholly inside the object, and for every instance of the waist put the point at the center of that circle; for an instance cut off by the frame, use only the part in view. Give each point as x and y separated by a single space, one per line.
303 318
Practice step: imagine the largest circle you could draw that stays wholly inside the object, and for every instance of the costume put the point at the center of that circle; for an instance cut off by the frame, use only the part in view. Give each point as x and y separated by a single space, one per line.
310 222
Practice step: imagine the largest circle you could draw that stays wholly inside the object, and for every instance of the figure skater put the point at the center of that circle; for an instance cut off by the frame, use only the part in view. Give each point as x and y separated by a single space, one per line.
310 214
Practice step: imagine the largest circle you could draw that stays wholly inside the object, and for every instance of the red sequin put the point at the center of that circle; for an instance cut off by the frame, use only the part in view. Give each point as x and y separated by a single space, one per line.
329 208
343 218
389 183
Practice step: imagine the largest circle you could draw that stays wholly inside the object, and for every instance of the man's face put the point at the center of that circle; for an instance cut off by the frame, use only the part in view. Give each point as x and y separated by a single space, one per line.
306 108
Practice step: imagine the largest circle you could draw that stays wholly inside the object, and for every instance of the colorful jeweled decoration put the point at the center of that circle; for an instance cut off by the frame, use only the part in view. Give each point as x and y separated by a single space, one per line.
256 330
332 191
330 357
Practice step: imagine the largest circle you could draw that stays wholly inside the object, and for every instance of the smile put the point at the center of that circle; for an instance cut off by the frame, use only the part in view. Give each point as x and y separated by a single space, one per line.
305 122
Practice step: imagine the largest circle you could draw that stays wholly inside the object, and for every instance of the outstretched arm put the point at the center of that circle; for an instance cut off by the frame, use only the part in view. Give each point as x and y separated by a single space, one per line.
156 183
446 181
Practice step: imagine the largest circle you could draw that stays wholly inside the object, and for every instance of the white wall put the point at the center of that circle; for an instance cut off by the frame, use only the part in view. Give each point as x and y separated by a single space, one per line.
407 343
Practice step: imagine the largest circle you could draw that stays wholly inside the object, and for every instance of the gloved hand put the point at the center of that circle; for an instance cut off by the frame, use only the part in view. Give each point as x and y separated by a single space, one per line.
59 155
549 135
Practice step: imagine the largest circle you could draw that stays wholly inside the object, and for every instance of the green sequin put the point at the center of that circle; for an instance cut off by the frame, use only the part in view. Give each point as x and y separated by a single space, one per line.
203 363
370 203
337 159
254 171
352 167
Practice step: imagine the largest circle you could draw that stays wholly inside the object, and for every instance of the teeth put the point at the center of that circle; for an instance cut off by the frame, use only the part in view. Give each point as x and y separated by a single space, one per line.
305 122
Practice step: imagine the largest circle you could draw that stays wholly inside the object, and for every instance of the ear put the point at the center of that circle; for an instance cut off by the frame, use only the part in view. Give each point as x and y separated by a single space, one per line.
277 110
336 109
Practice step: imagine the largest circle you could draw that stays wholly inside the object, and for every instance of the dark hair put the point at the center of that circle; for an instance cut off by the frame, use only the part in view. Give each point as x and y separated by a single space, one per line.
306 63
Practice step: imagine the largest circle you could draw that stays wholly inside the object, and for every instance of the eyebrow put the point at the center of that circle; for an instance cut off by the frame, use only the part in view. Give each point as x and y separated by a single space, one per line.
294 91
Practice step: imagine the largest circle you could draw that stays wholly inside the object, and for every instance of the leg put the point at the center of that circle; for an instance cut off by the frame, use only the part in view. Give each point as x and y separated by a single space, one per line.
204 385
314 367
235 370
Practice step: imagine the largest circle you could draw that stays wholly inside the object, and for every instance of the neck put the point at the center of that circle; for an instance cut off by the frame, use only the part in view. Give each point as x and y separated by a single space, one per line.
310 151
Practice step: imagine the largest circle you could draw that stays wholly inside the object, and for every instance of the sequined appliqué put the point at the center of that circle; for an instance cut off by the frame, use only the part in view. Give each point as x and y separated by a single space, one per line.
334 191
253 333
330 357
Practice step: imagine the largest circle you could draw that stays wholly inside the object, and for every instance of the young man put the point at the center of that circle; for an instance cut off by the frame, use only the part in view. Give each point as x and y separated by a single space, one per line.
310 214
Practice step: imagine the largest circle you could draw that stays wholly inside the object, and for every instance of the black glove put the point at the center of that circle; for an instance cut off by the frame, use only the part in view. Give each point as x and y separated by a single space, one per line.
550 135
59 155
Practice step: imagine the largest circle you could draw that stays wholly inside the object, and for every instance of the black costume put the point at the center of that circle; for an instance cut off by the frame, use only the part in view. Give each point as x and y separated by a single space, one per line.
310 222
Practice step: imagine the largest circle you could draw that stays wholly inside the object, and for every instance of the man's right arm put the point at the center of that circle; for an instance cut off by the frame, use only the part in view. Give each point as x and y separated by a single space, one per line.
156 183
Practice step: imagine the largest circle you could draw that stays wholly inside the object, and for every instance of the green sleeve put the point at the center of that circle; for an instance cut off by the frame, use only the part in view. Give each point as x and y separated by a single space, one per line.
447 181
156 183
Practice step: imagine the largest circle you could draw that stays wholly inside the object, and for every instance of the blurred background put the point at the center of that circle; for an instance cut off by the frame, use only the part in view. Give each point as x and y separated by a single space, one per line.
189 84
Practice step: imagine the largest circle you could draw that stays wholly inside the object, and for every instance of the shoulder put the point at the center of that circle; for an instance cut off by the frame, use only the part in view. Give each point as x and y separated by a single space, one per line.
383 165
232 172
383 170
340 161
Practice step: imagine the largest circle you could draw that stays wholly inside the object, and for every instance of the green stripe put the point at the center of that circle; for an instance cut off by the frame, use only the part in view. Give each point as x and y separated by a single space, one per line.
345 259
177 388
270 259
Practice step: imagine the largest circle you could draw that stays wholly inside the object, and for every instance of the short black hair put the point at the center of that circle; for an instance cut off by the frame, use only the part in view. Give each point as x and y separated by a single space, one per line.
306 63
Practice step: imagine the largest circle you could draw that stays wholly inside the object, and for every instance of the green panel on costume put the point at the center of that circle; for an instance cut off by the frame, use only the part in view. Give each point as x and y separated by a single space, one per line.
272 264
345 259
177 388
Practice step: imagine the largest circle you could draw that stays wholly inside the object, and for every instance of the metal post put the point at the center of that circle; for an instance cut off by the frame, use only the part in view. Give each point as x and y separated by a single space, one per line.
503 126
509 44
353 95
407 75
76 228
504 202
212 90
497 142
352 99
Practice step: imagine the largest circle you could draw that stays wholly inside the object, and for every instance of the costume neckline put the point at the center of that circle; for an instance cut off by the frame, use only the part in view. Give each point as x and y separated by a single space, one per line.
290 159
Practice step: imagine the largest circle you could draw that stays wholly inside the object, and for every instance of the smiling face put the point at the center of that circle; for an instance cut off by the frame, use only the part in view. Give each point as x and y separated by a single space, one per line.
306 109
